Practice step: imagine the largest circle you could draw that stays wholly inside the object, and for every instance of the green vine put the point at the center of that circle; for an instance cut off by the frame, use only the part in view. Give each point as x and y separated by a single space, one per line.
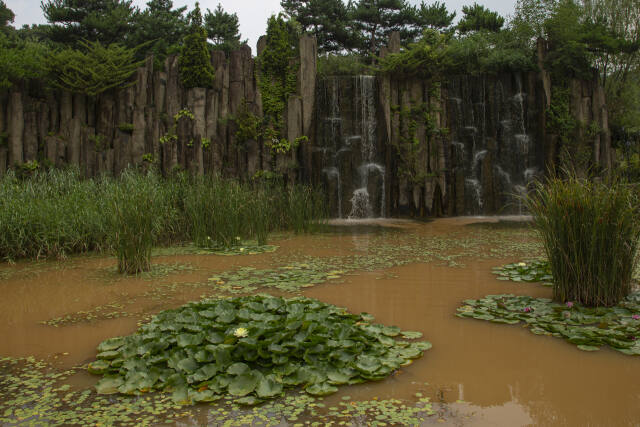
172 135
409 147
278 64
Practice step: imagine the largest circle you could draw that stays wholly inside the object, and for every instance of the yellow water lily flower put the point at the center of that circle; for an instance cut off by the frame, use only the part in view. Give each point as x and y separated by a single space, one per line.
241 332
522 264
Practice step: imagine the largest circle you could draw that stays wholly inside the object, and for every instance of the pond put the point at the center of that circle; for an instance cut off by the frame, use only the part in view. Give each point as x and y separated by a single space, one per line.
409 274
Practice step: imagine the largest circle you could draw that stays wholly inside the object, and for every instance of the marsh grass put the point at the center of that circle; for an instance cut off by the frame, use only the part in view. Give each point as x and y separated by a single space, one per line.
135 219
56 213
223 213
590 232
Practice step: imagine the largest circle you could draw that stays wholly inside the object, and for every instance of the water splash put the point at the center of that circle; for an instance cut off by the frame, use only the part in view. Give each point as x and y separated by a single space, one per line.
360 206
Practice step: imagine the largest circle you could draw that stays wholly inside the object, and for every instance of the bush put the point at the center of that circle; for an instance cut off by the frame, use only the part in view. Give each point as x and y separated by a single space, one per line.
195 61
590 233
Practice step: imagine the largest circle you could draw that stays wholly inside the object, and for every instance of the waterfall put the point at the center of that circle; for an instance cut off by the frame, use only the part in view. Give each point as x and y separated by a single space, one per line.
492 142
351 167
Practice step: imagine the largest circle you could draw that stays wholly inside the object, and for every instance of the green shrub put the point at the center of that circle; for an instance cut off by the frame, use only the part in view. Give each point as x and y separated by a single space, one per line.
590 233
195 61
135 216
93 69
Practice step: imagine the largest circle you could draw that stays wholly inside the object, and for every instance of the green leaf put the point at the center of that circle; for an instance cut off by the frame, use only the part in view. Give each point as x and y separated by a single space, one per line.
243 384
268 387
109 385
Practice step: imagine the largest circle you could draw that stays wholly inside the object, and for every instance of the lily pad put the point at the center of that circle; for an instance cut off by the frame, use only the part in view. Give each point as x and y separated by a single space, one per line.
253 348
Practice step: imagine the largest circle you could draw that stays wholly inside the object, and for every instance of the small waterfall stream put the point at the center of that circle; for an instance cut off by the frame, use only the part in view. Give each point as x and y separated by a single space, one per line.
352 171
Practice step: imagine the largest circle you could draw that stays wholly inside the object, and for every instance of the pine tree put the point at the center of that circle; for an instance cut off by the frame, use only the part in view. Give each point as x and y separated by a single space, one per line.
195 61
162 26
223 29
106 21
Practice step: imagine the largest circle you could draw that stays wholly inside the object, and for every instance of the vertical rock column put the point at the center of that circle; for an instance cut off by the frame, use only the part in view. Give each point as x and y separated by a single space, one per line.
16 128
307 90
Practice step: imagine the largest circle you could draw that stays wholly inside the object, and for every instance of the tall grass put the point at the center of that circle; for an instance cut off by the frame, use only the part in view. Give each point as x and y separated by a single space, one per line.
56 213
223 212
136 214
590 232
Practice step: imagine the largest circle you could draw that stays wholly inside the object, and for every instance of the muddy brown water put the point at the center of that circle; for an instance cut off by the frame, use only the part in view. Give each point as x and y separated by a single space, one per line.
483 373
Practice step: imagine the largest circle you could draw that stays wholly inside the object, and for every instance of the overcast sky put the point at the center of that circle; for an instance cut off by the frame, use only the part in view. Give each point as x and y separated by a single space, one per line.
253 14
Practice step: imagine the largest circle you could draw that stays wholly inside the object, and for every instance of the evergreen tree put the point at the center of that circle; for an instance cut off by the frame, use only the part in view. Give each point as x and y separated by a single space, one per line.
223 29
195 62
160 25
478 18
6 18
328 20
434 16
106 21
376 19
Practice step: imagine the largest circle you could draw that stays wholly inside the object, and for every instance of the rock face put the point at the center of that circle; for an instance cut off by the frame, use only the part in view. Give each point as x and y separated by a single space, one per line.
475 142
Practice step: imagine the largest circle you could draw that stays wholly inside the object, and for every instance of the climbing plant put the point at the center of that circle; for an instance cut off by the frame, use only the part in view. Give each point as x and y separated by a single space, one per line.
412 151
278 64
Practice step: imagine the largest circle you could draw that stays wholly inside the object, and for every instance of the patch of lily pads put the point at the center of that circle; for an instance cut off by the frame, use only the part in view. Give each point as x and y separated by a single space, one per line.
288 278
34 393
589 328
252 348
243 248
527 271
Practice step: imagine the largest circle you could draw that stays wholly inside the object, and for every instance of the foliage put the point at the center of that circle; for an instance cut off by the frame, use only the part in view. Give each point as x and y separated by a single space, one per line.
20 60
39 217
92 69
135 215
72 22
224 214
223 29
251 348
590 233
278 64
436 55
160 25
171 135
194 61
248 125
428 58
435 15
328 20
342 65
6 17
375 20
588 328
479 18
411 151
529 271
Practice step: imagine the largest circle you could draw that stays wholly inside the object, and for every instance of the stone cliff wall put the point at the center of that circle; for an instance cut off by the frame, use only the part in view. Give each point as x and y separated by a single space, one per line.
379 145
125 127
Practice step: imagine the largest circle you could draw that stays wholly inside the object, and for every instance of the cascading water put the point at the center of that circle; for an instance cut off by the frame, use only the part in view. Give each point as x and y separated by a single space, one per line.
492 143
348 151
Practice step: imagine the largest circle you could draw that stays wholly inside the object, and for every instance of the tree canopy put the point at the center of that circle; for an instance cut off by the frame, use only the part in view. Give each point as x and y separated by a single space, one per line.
223 29
106 21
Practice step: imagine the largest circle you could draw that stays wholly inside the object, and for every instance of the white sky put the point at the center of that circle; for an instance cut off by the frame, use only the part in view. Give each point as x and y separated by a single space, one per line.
252 14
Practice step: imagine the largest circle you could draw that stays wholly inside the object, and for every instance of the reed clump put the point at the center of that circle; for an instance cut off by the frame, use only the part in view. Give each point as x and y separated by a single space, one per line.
590 232
56 213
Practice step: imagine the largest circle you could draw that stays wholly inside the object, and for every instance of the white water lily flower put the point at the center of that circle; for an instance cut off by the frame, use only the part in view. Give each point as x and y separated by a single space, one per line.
522 264
241 332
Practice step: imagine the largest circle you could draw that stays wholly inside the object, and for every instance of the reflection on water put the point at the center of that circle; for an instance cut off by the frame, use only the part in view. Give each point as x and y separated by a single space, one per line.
483 373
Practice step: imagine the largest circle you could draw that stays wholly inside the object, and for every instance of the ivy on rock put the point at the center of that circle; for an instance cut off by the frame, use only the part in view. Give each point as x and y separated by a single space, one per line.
252 348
